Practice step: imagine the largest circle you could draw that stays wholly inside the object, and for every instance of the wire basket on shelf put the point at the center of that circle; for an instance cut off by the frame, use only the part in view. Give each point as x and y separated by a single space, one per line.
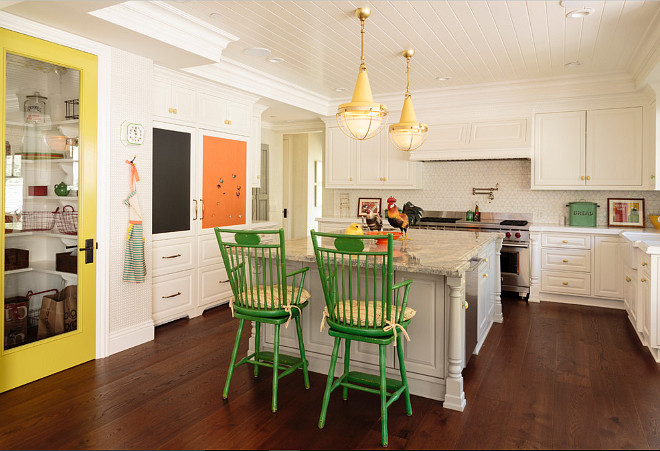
34 305
67 221
38 220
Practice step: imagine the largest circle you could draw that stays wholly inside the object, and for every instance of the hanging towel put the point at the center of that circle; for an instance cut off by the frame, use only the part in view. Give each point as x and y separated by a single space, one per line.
135 268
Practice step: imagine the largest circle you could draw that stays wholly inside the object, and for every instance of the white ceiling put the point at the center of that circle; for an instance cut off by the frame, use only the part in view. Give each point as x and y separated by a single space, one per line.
473 42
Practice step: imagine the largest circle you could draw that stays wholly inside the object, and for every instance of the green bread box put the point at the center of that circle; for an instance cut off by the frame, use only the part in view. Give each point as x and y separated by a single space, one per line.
582 214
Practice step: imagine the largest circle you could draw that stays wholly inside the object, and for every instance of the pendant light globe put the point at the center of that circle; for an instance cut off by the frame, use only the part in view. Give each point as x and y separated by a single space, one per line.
408 134
362 118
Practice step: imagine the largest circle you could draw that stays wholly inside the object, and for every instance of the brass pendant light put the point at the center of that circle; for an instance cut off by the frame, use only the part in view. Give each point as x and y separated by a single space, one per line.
408 134
362 118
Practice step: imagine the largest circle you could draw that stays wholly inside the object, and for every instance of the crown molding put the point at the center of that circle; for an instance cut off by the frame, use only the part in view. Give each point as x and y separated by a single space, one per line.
258 109
237 75
646 59
292 128
162 21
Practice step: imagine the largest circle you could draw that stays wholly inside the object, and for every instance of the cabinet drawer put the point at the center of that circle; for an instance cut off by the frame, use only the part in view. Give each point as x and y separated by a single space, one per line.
209 250
172 294
566 260
566 282
566 241
172 256
214 286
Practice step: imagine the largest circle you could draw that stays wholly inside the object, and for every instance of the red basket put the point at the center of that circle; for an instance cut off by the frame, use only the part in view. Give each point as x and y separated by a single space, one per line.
67 221
38 220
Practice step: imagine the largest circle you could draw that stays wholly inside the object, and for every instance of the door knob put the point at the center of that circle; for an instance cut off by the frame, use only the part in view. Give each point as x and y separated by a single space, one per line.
89 250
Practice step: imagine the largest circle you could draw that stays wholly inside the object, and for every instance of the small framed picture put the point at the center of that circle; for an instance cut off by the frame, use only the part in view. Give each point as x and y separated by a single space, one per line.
625 212
366 203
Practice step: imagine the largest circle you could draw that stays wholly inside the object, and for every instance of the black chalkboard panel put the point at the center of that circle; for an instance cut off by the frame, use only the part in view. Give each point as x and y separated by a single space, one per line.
171 181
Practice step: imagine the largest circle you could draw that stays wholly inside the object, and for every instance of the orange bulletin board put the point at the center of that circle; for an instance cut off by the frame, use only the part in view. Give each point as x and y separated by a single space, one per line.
223 182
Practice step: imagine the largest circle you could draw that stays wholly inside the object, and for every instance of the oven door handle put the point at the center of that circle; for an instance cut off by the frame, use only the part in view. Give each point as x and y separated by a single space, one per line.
515 245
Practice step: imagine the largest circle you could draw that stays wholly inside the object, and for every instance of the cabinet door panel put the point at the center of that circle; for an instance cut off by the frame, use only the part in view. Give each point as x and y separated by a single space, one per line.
399 170
559 149
424 353
172 295
614 147
238 118
340 153
488 134
172 177
224 175
162 99
370 161
447 136
183 101
212 111
608 280
214 286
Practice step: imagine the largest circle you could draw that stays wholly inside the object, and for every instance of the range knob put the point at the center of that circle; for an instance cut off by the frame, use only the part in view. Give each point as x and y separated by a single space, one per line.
508 234
517 234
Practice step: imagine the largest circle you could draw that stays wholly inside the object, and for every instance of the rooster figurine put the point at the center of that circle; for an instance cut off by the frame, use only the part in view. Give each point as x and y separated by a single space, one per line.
410 215
374 221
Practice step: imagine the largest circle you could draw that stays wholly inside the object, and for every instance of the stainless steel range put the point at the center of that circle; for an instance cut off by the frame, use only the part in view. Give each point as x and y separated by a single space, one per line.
514 258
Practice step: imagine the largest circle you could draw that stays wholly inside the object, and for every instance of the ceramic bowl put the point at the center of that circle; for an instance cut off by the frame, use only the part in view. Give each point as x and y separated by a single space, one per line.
69 130
55 143
654 220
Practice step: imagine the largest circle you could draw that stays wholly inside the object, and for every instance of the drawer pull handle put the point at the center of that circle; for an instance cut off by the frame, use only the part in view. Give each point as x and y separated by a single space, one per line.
485 275
564 283
565 261
628 279
643 279
565 241
224 281
644 264
172 295
172 256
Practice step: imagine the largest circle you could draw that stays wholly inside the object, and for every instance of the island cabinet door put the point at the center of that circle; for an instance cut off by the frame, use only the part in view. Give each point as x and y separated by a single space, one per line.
425 352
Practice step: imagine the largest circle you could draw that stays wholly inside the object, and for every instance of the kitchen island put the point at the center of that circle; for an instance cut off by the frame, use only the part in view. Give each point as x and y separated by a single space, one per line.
438 262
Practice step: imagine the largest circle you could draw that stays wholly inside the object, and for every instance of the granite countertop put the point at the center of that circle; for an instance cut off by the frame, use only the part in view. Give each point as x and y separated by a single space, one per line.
446 253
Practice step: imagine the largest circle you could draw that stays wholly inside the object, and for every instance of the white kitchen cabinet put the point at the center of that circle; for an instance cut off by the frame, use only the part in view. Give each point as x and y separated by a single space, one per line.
614 147
371 164
559 147
594 149
608 262
174 102
505 138
630 296
339 159
221 114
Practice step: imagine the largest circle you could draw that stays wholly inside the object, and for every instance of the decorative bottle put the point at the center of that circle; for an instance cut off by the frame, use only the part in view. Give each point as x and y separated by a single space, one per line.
477 213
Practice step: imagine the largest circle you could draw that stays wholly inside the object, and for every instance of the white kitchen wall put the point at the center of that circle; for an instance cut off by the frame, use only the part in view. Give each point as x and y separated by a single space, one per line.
447 185
131 99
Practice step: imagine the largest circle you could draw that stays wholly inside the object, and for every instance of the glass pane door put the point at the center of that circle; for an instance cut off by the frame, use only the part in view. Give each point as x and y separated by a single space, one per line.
48 322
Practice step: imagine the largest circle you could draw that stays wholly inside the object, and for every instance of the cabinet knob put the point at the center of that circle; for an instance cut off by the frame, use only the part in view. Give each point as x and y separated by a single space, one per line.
485 275
170 110
565 261
628 279
258 177
175 112
350 179
588 178
564 283
384 179
643 279
652 176
644 264
565 241
582 178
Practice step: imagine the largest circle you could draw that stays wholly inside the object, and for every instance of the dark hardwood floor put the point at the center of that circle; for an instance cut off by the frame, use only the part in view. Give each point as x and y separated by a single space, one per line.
551 376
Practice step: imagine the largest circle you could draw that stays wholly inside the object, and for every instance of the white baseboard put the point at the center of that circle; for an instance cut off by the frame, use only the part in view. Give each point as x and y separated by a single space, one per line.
580 300
131 336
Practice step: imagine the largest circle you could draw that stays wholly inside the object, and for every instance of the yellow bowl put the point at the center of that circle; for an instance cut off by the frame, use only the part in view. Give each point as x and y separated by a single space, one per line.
654 220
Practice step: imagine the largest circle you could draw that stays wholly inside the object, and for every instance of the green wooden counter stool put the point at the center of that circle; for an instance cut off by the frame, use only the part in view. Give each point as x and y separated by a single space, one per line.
363 304
264 293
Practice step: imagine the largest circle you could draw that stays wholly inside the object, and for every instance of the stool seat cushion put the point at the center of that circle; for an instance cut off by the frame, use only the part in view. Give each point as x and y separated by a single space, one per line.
365 312
257 298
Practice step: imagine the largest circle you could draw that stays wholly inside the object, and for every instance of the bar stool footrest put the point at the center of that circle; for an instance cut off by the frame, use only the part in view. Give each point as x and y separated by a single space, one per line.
371 380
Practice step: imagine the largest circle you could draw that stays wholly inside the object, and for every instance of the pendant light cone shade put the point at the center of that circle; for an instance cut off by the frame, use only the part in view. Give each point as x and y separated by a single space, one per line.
408 134
362 118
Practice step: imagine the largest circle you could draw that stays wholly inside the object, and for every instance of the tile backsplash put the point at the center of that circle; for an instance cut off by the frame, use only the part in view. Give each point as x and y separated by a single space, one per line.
447 185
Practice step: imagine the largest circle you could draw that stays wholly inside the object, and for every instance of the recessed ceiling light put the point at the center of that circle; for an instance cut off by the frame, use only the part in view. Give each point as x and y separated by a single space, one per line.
443 78
215 15
340 89
579 13
275 59
573 64
261 52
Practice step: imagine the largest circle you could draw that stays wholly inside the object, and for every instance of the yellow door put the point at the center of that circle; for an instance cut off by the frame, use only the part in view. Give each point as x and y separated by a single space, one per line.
48 118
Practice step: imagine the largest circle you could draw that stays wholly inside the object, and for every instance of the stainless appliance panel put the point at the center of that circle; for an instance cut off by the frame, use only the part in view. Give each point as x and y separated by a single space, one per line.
514 266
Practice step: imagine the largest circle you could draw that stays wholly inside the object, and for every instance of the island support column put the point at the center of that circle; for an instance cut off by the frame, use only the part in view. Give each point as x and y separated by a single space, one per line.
454 394
498 317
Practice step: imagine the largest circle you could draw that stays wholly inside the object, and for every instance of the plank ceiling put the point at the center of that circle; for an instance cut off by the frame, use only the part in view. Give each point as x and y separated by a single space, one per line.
470 41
